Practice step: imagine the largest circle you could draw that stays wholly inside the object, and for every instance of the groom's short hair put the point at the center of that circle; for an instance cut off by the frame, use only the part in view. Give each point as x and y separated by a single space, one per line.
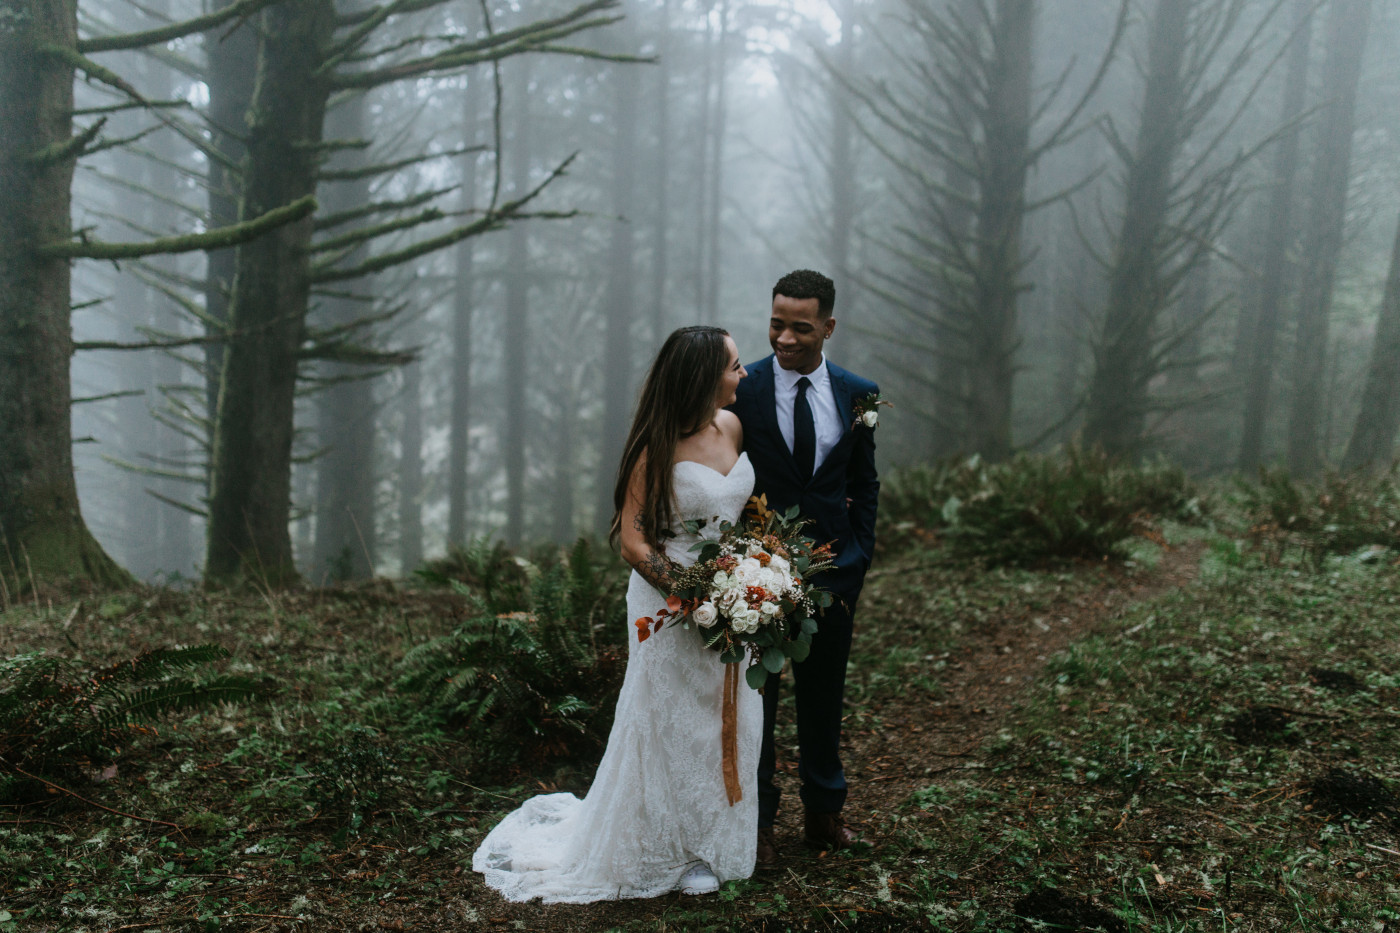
804 284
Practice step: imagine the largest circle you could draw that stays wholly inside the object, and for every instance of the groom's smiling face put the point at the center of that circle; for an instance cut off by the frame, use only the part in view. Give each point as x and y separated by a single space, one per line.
797 331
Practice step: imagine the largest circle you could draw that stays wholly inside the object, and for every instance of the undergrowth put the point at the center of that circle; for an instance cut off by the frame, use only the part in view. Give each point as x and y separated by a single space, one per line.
533 673
60 719
1036 509
1337 514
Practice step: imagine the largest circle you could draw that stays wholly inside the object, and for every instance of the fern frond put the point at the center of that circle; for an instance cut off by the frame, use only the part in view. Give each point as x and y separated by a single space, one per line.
174 695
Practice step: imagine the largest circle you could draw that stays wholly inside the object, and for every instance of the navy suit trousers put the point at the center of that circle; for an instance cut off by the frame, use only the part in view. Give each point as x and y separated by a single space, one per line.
819 686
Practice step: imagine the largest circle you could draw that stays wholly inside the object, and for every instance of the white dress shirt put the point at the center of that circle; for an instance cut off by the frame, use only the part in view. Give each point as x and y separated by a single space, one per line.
821 397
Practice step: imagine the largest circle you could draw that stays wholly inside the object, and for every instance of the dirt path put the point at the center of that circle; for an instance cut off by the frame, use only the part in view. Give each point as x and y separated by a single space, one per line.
981 687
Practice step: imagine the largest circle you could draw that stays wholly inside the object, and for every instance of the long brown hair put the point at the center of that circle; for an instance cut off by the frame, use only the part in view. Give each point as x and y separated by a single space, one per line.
678 400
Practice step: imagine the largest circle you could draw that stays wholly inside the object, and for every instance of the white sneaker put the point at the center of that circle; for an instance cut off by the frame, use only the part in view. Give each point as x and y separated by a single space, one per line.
698 879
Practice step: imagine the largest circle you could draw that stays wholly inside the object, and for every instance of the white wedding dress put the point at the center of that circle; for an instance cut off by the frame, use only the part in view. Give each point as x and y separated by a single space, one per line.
657 805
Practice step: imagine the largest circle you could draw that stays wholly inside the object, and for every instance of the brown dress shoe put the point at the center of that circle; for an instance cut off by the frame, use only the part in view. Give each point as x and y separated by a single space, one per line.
828 831
767 846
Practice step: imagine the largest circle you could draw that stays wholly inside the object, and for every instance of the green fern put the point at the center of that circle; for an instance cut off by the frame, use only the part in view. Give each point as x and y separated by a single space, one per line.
57 720
536 671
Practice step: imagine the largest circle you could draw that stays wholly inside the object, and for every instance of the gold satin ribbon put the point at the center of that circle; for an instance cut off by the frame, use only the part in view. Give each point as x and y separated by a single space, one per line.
729 738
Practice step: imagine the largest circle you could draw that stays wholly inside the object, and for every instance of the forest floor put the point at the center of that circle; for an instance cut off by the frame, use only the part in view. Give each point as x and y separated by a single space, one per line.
1201 739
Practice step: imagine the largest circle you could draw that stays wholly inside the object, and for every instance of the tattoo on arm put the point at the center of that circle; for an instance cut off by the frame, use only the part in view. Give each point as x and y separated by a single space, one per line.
656 570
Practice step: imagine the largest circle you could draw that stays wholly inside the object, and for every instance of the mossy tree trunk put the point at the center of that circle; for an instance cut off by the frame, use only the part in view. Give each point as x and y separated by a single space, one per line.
41 528
250 496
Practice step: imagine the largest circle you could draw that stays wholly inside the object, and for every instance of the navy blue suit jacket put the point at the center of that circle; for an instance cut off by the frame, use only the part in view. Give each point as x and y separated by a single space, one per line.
847 473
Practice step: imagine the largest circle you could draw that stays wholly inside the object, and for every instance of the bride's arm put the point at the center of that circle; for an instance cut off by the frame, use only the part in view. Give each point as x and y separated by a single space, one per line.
653 566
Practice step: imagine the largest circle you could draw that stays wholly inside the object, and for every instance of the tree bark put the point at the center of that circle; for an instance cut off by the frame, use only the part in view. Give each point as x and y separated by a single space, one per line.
515 328
841 180
709 311
1001 195
463 308
660 257
1118 394
1373 437
1347 27
250 499
1279 233
345 522
231 72
42 531
619 308
411 470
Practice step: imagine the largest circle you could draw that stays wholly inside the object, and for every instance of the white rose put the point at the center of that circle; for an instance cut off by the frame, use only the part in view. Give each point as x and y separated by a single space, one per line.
770 609
721 580
727 598
748 569
779 565
870 418
754 549
705 615
747 620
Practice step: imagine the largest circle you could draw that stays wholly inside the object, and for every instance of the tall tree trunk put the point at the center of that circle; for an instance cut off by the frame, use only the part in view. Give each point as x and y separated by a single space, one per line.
1373 437
41 528
620 299
709 312
463 307
566 462
1279 233
953 219
1118 394
1000 218
841 181
515 329
411 470
230 74
1347 27
662 219
700 179
250 499
345 521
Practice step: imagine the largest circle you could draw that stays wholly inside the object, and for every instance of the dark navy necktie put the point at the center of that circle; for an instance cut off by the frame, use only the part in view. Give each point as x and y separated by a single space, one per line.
804 431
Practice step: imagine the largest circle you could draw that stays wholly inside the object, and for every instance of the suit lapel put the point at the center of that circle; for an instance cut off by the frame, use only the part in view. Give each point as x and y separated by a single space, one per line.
841 389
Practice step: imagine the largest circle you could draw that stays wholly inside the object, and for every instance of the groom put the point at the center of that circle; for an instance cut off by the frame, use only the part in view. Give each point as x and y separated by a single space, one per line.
807 448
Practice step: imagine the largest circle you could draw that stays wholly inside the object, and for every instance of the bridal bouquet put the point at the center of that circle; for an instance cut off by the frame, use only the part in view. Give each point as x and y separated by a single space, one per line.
748 593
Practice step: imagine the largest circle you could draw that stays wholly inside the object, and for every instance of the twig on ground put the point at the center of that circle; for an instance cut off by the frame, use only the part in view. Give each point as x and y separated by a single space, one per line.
92 803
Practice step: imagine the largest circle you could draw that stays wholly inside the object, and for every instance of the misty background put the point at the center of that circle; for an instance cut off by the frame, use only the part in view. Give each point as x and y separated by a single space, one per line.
1164 227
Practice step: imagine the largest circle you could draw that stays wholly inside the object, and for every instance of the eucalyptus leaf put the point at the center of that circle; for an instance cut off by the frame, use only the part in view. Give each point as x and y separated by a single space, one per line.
773 659
809 626
756 676
797 649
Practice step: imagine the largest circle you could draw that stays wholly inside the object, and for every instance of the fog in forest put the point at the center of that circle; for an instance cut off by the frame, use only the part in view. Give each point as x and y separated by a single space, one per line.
1167 228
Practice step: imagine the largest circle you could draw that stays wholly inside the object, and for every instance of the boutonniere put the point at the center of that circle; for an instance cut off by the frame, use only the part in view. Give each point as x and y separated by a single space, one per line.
867 410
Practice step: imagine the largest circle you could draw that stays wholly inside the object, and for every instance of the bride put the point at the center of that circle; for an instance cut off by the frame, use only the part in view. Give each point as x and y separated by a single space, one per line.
657 818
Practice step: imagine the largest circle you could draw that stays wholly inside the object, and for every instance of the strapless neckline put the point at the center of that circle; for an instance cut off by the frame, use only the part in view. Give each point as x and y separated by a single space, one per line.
706 466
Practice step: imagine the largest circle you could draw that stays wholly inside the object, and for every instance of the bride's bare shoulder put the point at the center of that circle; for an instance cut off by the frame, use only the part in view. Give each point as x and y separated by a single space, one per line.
731 427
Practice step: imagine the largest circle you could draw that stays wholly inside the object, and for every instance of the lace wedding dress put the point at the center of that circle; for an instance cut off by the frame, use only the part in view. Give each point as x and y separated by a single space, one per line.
657 805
